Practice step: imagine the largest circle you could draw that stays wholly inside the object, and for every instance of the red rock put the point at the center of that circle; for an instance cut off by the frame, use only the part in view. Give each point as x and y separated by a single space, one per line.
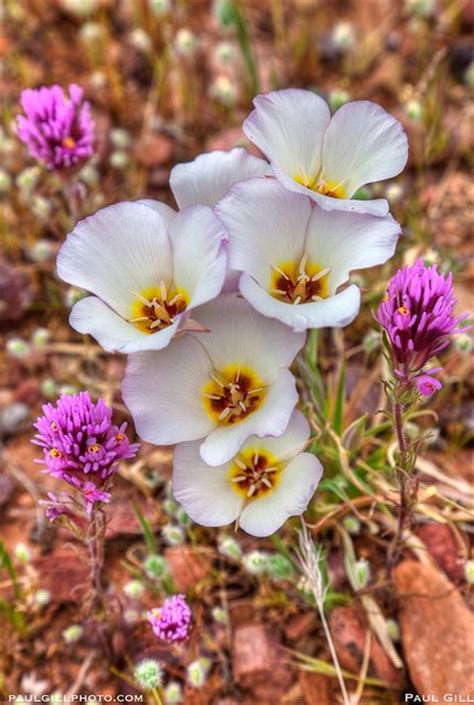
6 489
233 137
122 520
154 150
300 625
64 575
315 688
349 630
188 566
258 662
440 542
436 631
28 392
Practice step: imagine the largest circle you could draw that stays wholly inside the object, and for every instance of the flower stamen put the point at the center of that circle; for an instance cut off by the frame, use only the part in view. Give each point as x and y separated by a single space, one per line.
235 398
301 282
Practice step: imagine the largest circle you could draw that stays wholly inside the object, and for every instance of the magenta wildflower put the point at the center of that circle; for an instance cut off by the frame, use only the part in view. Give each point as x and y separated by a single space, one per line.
172 621
81 445
418 315
57 130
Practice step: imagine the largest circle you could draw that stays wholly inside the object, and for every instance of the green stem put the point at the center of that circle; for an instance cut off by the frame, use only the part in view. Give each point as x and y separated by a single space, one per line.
156 696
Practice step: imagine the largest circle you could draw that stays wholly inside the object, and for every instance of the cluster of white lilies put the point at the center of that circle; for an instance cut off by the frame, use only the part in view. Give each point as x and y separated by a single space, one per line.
212 302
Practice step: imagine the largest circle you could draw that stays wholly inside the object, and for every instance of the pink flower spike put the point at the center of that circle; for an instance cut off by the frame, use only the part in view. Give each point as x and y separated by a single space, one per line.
427 385
172 621
81 444
57 130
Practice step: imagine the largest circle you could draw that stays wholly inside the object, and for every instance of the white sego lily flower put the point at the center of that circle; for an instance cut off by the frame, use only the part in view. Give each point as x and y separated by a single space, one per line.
221 386
267 481
327 158
208 178
147 267
295 256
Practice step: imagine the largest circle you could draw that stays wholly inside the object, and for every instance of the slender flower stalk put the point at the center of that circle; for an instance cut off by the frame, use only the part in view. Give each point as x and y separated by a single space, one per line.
309 557
417 316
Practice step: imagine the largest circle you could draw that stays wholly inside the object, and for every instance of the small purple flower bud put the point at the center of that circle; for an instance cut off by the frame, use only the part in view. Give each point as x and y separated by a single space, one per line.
172 621
81 445
58 130
417 314
427 385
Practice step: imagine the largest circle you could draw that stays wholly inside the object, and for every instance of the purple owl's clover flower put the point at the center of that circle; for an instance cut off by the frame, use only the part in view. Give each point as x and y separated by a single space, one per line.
57 130
81 445
417 314
172 621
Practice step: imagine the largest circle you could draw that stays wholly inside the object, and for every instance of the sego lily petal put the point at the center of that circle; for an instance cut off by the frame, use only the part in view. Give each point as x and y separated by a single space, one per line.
295 257
266 481
325 158
208 178
148 268
220 386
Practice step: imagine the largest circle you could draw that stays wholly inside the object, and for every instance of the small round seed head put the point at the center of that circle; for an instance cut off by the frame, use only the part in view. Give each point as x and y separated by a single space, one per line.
362 573
73 295
40 337
18 348
393 629
48 388
155 566
149 674
229 547
413 109
338 97
219 615
352 525
22 553
5 181
173 693
464 343
159 7
371 341
469 572
173 534
42 598
183 518
185 42
42 251
255 562
119 159
134 589
198 671
73 633
40 208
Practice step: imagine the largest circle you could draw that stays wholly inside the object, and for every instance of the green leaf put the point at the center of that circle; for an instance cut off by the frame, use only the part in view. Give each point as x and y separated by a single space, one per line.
147 530
6 564
338 417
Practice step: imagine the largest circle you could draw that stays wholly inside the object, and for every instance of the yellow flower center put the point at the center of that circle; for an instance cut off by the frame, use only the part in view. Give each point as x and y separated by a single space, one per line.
69 142
403 310
320 185
299 282
55 453
155 308
232 394
95 448
254 473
